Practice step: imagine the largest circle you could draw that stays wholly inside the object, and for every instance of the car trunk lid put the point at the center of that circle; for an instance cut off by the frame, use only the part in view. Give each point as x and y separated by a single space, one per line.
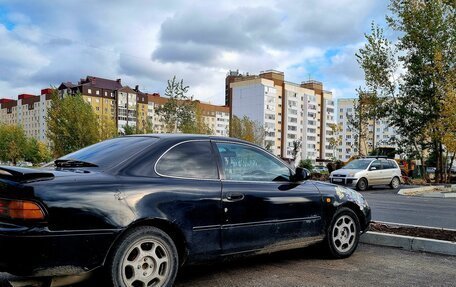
21 175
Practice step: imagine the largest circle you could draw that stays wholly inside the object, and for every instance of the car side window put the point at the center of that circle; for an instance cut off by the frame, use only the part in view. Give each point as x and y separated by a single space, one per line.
245 163
392 164
189 160
377 164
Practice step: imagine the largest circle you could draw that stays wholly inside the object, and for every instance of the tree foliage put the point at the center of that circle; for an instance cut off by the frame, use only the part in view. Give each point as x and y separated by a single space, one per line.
15 146
72 124
129 130
198 126
178 113
248 130
416 71
13 143
106 127
336 140
36 152
306 163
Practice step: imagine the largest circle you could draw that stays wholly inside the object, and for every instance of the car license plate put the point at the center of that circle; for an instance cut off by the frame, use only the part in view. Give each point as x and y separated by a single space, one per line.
337 180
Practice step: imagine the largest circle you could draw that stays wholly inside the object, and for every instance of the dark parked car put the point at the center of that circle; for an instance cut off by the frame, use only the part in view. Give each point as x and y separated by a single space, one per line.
141 206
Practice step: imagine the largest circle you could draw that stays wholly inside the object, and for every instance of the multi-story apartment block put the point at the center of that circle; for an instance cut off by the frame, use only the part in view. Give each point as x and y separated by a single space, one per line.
289 112
376 134
29 111
109 99
217 118
100 93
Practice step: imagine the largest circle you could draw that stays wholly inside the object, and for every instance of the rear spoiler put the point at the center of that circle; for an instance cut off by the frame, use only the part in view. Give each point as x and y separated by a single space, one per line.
20 174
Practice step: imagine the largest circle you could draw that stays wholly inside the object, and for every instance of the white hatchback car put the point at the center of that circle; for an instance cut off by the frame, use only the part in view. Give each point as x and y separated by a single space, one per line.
364 172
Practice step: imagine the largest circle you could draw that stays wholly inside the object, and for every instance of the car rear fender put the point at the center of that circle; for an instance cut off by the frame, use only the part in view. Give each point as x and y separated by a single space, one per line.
170 228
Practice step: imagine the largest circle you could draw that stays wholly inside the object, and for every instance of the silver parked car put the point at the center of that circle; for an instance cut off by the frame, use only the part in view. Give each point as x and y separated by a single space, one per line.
364 172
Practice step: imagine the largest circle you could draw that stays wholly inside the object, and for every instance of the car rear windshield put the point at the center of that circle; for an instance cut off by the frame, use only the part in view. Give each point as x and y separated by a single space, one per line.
358 164
111 152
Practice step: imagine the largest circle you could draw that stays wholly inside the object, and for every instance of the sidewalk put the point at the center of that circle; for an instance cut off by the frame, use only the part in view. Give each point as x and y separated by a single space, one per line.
440 191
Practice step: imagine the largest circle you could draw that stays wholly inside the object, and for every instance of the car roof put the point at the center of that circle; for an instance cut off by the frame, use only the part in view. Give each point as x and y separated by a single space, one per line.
184 137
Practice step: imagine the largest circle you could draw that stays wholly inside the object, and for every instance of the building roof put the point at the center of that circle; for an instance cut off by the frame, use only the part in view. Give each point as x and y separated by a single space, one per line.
127 89
101 83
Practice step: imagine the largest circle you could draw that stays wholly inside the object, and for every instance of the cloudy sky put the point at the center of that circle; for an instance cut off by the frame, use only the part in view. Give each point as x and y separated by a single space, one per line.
146 42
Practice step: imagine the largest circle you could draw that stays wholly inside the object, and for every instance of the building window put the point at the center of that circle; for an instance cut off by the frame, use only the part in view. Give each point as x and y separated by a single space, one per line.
89 91
97 92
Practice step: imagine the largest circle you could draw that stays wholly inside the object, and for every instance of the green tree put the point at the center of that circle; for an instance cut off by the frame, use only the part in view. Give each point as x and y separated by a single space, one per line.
336 140
146 127
72 124
13 143
178 113
107 128
247 130
200 126
306 163
36 152
129 130
414 72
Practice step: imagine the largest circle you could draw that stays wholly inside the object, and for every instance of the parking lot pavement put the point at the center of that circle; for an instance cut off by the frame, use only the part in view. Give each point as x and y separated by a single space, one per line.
369 266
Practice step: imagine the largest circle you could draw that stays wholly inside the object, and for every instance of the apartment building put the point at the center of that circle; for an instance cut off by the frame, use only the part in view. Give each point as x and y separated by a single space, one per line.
28 111
378 133
288 111
216 117
109 99
100 93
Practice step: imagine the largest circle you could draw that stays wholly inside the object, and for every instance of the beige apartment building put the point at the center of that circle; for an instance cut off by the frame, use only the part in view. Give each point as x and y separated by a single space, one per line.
28 111
288 111
216 117
108 98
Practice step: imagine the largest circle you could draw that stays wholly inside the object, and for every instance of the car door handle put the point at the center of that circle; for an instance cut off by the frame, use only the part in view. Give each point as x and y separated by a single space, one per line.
237 196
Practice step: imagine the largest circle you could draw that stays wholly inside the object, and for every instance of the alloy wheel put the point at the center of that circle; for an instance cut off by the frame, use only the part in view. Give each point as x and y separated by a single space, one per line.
344 233
395 183
145 264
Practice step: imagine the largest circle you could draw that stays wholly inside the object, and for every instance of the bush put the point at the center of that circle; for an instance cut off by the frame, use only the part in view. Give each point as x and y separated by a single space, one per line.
306 163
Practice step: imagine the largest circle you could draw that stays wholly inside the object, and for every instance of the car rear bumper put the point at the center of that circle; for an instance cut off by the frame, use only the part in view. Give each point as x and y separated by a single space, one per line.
40 252
346 181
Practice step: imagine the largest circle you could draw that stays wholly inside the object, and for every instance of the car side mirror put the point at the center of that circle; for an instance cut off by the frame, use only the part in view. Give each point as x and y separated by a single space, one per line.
373 168
301 174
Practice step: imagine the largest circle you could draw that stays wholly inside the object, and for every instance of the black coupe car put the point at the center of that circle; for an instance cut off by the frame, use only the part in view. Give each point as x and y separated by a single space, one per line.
141 206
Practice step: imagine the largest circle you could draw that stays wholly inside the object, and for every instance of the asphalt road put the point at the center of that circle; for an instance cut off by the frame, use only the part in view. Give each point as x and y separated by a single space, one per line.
368 266
388 206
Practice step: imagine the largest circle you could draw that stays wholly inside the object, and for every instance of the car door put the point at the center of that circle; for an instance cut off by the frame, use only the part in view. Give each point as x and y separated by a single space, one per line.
190 178
375 173
387 172
262 207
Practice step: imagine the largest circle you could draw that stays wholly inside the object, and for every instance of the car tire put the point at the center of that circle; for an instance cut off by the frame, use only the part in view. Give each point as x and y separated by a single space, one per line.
395 183
145 256
362 184
342 235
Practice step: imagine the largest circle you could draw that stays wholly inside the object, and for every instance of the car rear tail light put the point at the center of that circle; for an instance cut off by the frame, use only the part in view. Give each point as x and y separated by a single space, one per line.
20 209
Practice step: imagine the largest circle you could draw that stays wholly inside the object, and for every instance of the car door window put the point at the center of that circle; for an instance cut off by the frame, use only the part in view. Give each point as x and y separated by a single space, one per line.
189 160
377 164
246 163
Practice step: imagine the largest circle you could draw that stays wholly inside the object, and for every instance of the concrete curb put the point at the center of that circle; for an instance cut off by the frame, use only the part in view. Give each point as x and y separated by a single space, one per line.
409 243
443 191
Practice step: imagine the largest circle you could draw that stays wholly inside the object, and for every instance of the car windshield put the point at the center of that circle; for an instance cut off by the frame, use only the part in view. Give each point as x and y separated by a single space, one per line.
358 164
110 152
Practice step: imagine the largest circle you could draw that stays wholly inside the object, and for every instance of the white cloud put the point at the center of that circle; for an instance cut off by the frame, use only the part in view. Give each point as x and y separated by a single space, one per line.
147 42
